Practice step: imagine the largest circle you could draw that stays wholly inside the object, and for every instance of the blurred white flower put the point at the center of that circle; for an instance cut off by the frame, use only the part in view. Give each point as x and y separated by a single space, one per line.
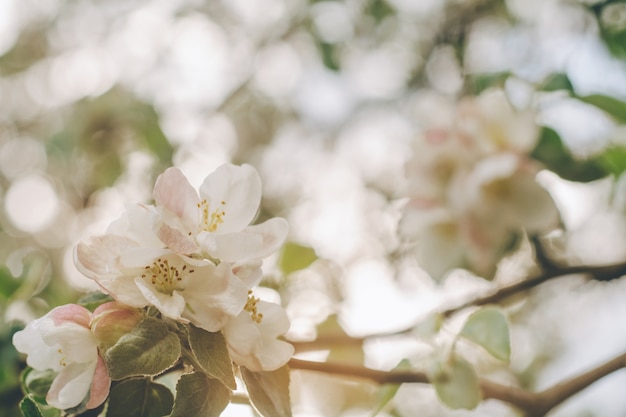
472 186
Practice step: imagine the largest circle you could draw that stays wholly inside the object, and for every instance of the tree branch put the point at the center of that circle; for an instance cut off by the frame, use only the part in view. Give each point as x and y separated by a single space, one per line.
533 404
598 273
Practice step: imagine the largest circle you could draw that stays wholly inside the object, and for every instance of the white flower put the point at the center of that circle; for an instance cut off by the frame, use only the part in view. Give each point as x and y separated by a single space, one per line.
252 336
63 342
180 287
217 221
472 186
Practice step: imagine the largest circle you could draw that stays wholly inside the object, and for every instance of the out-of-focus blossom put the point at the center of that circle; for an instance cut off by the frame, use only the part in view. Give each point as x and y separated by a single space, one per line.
63 342
472 189
252 336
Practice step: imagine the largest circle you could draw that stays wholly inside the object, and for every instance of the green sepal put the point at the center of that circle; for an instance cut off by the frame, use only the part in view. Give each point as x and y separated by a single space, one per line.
269 391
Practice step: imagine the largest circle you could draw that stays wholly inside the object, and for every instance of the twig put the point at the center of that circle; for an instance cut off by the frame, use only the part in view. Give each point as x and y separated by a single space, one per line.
598 273
533 404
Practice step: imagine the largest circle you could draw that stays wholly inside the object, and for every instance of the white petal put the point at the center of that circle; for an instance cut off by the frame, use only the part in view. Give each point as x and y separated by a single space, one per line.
275 321
137 223
274 354
171 306
212 299
231 247
71 385
273 233
77 343
239 187
41 356
98 256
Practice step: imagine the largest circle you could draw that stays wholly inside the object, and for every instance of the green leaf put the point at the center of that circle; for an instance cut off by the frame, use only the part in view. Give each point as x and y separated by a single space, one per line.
551 151
37 383
295 257
211 352
613 160
611 105
488 328
139 397
456 383
149 349
94 299
481 82
388 391
556 82
198 395
29 408
269 391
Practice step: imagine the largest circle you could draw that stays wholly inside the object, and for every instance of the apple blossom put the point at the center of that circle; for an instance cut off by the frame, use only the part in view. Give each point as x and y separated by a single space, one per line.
472 188
217 221
62 341
180 287
252 336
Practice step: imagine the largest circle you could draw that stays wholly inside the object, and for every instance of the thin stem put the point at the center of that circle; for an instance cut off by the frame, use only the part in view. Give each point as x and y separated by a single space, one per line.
533 404
598 273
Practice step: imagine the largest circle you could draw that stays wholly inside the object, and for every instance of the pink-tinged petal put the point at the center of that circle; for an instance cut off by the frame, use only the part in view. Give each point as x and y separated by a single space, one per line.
234 190
70 313
112 320
176 240
99 386
98 256
71 385
249 272
171 306
173 192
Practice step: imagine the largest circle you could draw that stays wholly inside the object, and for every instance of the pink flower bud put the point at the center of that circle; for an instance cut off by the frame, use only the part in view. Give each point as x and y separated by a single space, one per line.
112 320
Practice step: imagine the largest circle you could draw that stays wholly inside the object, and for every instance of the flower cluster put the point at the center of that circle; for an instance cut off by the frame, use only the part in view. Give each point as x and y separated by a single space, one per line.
192 258
473 186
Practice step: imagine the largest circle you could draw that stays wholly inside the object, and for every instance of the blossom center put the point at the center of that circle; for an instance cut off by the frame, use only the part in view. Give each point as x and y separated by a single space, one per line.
210 220
251 308
165 277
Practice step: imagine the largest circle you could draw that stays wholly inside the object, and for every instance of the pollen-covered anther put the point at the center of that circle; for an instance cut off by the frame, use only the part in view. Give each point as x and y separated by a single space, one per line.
210 220
165 277
251 308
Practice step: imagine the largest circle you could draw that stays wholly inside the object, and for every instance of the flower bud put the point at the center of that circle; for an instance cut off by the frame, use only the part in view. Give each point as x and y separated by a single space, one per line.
112 320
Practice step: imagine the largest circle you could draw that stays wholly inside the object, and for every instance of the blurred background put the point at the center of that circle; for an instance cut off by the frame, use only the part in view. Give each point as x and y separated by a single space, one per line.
325 99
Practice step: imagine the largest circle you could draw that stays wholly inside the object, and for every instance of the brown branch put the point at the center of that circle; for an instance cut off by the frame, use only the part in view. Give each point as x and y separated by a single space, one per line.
599 273
533 404
560 392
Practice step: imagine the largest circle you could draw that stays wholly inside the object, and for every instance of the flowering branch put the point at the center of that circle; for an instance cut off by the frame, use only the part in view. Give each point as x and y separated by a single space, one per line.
533 404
